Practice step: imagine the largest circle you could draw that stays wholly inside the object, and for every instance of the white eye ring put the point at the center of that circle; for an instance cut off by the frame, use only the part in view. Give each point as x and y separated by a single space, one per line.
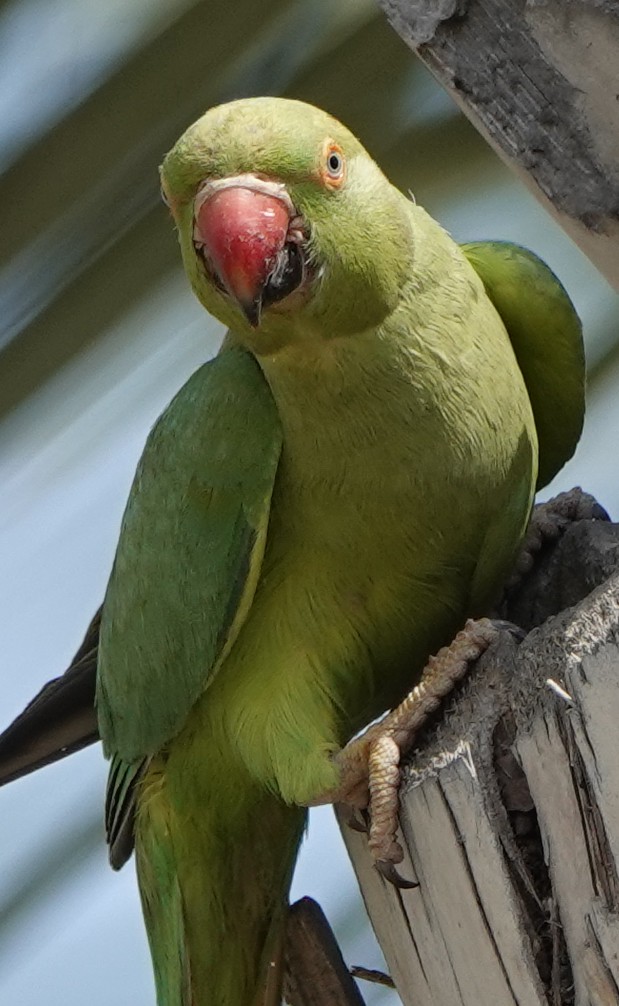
335 164
164 198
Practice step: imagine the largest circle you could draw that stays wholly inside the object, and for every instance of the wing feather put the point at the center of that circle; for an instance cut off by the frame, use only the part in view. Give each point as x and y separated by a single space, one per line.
186 567
546 336
189 554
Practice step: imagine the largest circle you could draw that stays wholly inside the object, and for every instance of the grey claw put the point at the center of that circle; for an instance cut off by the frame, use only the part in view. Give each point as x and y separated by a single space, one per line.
504 626
389 872
598 512
356 825
357 820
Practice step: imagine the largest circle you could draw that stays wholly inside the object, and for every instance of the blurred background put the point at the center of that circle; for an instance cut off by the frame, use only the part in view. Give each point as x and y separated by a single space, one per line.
99 329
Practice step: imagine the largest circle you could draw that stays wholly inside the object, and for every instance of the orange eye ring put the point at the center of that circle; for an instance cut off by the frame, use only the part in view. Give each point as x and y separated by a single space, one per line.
332 165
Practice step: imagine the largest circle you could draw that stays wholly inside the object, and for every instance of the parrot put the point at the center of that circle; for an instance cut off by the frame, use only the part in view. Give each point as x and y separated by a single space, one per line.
319 508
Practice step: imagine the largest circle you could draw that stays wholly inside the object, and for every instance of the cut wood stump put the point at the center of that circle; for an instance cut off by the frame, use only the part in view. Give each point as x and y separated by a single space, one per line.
510 808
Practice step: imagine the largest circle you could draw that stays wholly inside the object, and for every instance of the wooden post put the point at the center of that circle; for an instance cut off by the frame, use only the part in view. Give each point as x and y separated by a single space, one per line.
539 79
510 810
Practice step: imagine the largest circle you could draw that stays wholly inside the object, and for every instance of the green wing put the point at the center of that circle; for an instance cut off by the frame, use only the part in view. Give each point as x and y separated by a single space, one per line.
546 335
187 563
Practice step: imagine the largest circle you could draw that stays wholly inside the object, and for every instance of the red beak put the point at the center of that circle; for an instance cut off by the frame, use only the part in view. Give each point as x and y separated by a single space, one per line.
242 231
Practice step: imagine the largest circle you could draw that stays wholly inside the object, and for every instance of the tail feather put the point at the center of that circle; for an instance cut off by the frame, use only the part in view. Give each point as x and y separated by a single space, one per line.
214 890
61 719
162 905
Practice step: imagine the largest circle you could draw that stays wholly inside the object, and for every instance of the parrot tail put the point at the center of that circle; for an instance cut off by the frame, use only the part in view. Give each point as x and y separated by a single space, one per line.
214 867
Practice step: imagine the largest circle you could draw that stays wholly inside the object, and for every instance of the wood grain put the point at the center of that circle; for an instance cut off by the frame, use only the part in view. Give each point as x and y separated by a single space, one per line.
539 79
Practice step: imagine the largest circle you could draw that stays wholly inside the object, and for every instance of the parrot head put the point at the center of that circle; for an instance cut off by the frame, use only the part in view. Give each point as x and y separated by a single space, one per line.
288 229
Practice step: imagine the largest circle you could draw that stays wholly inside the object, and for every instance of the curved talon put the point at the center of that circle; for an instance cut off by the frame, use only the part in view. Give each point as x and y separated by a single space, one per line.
357 820
598 512
502 625
356 825
389 872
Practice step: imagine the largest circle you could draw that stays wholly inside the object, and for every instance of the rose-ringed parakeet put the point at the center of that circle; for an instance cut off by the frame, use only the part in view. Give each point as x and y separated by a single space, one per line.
318 509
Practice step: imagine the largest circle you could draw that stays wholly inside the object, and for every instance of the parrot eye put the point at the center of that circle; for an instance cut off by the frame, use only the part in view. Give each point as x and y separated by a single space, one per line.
334 168
335 163
164 198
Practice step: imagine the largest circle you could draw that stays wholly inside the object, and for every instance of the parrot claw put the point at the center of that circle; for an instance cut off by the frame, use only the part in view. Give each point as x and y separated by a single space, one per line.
370 764
503 625
389 873
355 818
548 522
359 823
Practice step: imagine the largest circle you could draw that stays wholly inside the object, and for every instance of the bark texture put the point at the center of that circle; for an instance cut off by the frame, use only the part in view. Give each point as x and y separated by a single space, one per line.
539 79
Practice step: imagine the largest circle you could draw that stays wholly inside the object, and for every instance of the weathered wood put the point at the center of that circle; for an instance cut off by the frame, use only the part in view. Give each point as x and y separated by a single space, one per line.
539 79
510 811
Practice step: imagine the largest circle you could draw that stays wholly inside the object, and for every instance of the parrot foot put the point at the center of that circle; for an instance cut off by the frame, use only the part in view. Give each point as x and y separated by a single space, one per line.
370 764
548 522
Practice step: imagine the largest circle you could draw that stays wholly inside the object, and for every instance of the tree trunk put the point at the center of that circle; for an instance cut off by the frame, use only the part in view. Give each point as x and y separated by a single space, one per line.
510 809
540 80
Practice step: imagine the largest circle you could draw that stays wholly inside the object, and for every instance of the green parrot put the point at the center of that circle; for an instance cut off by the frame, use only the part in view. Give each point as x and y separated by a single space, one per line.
318 510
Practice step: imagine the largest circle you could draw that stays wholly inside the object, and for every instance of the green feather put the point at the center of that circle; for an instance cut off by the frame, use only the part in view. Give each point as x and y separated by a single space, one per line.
120 808
546 335
189 554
